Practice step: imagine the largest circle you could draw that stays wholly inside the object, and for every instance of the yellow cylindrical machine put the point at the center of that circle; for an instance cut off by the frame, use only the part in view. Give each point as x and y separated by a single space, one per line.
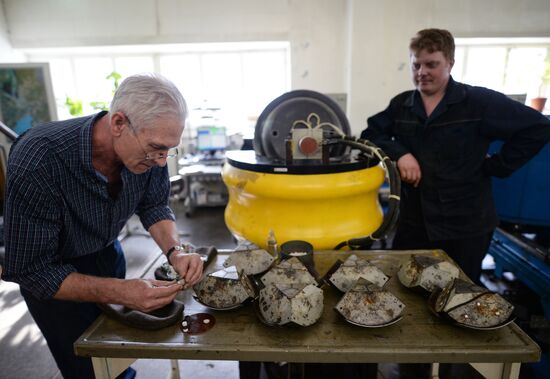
323 208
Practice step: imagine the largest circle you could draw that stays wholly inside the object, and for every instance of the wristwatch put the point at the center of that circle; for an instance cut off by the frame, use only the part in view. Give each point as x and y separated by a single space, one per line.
176 248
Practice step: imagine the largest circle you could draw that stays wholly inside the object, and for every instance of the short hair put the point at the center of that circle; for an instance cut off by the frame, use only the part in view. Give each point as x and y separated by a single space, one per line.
433 40
146 98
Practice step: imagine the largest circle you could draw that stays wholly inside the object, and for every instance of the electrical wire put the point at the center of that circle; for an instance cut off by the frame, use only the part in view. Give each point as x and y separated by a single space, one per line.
310 125
371 151
394 181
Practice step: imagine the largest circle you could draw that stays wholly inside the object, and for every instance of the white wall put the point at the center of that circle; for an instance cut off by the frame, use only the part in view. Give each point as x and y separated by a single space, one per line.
381 31
353 46
7 54
315 28
317 34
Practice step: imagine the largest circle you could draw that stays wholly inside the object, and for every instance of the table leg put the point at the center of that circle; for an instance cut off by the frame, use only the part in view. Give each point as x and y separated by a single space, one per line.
507 370
174 369
435 370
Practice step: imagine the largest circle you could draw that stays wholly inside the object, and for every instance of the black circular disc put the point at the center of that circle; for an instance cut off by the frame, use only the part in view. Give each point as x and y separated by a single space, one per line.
276 120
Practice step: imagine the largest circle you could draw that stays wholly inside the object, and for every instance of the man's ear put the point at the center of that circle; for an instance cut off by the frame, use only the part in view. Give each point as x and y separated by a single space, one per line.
118 123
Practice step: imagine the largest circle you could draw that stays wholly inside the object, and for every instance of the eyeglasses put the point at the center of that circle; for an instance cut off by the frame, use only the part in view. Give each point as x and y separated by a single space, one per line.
170 153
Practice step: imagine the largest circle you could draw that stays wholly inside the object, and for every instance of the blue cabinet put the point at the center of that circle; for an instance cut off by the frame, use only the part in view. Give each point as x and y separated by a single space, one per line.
524 197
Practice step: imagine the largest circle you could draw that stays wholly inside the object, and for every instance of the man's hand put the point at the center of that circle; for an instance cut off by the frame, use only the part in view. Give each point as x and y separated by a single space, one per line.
146 295
409 169
142 294
188 265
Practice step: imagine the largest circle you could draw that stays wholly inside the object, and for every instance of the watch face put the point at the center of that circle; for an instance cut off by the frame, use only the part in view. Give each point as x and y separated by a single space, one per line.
178 248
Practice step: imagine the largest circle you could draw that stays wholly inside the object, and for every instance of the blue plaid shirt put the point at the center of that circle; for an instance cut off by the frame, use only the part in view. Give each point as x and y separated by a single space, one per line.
58 206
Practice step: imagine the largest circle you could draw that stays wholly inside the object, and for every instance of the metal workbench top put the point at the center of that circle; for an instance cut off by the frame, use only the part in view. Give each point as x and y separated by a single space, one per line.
238 334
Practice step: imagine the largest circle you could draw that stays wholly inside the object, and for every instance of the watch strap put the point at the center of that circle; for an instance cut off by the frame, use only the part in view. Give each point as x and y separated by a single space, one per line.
171 250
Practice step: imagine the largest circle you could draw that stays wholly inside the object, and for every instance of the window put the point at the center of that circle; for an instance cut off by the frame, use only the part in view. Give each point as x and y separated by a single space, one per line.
224 84
510 66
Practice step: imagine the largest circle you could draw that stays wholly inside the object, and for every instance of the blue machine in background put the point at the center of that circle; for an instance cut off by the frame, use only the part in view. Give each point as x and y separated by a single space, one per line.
521 244
524 197
523 205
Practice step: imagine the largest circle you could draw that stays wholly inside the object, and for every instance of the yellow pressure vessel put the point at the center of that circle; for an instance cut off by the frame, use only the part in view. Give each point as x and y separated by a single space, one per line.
321 207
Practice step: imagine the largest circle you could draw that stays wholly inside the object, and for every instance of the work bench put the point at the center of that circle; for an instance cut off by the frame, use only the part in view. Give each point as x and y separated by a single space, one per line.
420 337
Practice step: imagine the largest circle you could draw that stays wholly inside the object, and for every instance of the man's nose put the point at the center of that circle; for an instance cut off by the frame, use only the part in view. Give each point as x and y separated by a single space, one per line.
161 162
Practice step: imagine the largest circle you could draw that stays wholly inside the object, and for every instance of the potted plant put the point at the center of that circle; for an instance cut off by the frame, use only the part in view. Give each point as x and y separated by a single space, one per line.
539 102
75 105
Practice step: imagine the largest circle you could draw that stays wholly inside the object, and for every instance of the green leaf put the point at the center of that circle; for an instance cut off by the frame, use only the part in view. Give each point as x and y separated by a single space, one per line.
74 106
116 78
99 105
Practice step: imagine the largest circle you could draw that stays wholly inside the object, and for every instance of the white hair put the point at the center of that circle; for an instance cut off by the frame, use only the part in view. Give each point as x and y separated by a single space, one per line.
147 98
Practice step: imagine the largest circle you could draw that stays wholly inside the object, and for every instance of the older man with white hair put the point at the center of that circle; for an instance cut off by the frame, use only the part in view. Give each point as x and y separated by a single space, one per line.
71 187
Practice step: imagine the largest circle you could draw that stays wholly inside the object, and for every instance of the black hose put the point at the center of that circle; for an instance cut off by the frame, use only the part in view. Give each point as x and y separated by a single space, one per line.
390 219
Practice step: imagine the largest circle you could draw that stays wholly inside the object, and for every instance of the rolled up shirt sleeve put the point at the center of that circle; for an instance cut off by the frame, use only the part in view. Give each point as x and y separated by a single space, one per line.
32 227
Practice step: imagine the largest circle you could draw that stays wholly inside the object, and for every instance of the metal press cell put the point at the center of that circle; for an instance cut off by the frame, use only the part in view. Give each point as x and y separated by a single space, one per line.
322 208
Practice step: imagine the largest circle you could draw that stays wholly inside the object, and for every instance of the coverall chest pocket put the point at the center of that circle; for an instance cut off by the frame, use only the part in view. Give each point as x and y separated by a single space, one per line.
455 142
405 129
